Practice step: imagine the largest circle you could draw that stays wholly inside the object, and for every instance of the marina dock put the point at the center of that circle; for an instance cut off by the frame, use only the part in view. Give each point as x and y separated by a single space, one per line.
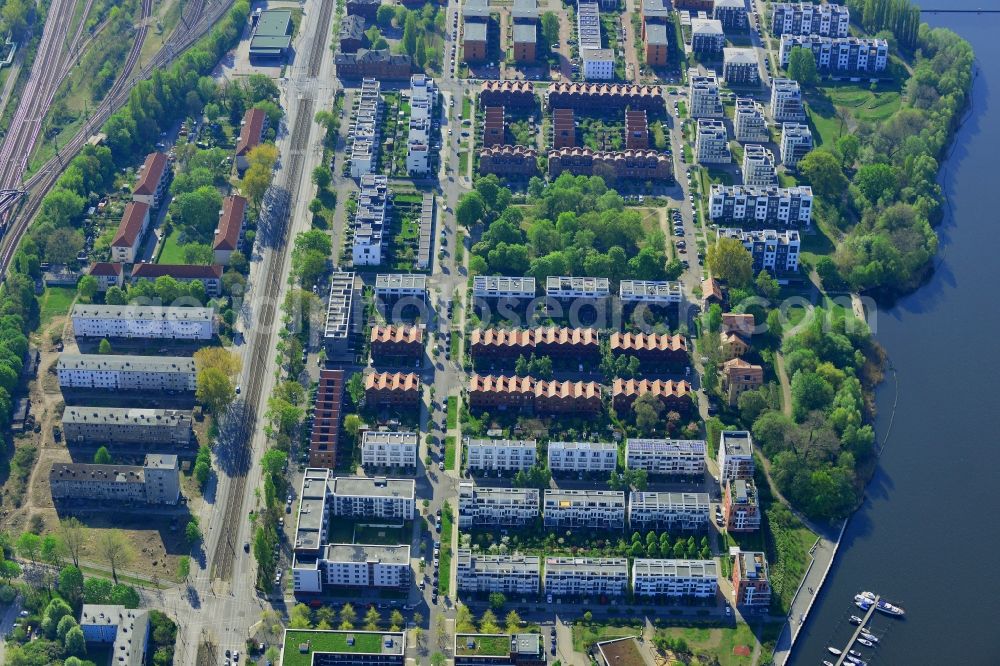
857 632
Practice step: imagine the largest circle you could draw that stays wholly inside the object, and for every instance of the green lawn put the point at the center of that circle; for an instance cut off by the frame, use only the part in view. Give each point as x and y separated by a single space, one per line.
172 252
452 410
463 163
449 452
724 643
483 644
444 580
466 108
327 641
585 635
378 535
681 109
54 302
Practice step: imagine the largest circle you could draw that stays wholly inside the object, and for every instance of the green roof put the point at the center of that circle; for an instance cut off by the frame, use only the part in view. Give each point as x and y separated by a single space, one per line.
274 22
270 42
488 645
336 641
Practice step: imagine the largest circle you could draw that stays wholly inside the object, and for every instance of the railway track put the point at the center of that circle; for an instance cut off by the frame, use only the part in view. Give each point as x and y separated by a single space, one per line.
261 347
195 22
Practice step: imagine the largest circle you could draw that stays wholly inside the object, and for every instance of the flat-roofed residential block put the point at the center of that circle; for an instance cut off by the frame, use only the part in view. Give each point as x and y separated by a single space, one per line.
500 455
657 44
372 497
735 455
118 372
337 332
655 292
806 18
486 506
773 250
324 439
732 14
343 648
707 35
499 286
527 649
582 456
475 20
400 285
853 55
711 144
704 99
758 166
509 574
761 206
366 566
749 122
365 133
586 576
796 142
143 321
423 103
697 579
389 449
786 101
740 66
525 30
740 509
599 509
127 631
668 511
577 287
751 584
156 481
123 425
685 457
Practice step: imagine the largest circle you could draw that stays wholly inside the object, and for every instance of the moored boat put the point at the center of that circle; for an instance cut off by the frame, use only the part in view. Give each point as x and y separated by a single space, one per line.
870 637
833 650
866 642
882 606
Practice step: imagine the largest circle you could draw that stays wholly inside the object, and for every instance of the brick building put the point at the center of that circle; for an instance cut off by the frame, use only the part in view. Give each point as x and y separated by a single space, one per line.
508 160
396 342
610 165
393 388
325 436
676 396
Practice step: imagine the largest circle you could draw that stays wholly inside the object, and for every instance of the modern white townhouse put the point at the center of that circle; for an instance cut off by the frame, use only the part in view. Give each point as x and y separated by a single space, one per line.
761 206
500 455
156 481
370 220
423 101
786 101
500 286
586 576
806 18
749 123
123 425
703 95
675 578
666 456
114 372
389 286
600 509
365 135
735 455
653 292
510 574
582 456
480 505
836 55
389 449
758 166
339 307
796 142
772 250
372 497
667 511
711 143
557 286
143 321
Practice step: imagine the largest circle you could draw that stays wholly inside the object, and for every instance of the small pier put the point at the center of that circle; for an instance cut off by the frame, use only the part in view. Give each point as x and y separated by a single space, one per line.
857 632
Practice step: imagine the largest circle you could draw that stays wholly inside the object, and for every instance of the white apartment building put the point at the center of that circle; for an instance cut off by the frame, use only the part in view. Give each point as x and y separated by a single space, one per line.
786 101
365 133
510 574
119 425
654 292
372 497
118 372
126 630
479 505
758 166
707 35
143 321
370 220
740 66
839 54
675 578
156 481
735 455
499 286
389 286
667 511
583 456
772 250
389 449
586 576
557 286
423 102
761 206
601 509
598 62
353 566
805 18
796 142
666 456
504 455
749 123
339 307
703 95
711 144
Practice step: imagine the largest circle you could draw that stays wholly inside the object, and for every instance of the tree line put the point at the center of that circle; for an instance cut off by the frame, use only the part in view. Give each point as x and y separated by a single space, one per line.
901 17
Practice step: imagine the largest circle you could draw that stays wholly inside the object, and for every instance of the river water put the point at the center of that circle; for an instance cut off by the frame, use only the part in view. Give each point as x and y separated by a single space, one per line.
927 536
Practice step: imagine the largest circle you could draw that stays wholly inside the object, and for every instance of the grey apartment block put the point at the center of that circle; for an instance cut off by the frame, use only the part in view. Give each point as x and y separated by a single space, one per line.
510 574
601 509
122 425
120 372
157 481
669 511
337 333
